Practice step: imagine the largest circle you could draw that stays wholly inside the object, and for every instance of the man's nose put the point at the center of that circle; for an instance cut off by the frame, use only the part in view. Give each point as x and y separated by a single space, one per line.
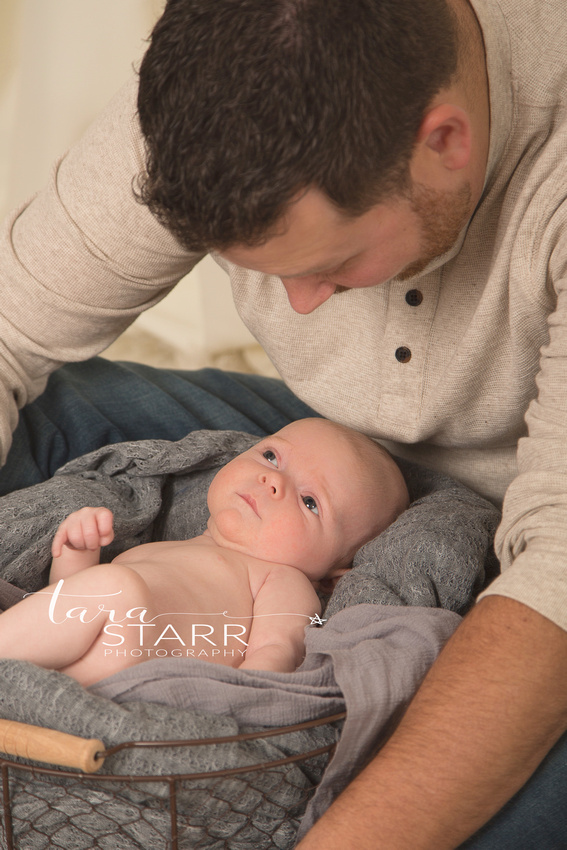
305 294
274 481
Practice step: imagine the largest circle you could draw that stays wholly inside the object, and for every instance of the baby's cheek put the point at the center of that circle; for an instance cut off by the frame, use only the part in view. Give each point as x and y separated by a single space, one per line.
294 545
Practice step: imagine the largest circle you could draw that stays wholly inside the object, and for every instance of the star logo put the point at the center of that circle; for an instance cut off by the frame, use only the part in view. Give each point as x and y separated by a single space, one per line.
316 620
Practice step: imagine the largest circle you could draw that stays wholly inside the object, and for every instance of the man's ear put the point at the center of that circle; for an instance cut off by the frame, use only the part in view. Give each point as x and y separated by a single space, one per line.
327 585
443 142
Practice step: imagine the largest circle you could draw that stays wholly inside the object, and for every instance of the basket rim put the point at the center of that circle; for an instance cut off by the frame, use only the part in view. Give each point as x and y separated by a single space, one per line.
7 763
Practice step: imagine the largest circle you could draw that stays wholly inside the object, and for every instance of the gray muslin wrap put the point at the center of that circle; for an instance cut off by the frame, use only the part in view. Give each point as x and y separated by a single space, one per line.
385 623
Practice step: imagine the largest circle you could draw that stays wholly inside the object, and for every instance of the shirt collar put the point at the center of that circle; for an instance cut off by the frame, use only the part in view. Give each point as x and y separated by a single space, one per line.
499 67
499 70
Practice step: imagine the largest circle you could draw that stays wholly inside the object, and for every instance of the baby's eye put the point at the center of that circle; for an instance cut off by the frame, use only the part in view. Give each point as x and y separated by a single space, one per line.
269 455
310 504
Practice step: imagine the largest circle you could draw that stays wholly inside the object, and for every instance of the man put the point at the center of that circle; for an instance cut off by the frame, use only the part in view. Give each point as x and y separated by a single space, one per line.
399 168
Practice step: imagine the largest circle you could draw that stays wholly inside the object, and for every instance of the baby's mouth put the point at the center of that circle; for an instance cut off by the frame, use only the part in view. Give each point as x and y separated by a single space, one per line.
250 501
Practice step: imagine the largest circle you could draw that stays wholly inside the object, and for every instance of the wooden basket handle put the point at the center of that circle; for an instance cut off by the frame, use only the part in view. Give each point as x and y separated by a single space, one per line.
47 745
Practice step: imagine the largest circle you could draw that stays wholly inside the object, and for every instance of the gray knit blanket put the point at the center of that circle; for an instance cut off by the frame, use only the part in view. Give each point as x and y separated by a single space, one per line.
385 623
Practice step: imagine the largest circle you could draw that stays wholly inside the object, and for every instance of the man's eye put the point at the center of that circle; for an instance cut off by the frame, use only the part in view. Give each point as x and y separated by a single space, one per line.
269 455
311 504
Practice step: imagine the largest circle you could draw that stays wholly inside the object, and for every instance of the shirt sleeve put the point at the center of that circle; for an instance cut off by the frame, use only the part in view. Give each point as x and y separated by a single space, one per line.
80 260
531 541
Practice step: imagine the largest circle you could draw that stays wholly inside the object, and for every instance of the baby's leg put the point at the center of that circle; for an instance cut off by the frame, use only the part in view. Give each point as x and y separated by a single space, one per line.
56 627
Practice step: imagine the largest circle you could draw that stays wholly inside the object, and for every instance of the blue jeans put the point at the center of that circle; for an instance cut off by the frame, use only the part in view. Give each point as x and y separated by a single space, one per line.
91 404
87 405
536 818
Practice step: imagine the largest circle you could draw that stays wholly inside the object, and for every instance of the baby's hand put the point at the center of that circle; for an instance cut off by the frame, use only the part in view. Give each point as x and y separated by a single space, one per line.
89 528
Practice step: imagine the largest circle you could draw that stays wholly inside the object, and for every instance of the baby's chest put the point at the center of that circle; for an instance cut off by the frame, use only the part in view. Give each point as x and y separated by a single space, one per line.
198 605
195 579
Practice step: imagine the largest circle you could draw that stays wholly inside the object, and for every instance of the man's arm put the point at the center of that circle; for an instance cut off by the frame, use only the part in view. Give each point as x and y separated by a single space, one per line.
80 261
490 709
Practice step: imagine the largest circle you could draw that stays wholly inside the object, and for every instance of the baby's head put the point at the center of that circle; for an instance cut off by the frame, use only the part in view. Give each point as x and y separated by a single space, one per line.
309 496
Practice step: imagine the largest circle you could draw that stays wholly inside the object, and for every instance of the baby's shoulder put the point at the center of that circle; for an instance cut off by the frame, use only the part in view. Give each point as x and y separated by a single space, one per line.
262 573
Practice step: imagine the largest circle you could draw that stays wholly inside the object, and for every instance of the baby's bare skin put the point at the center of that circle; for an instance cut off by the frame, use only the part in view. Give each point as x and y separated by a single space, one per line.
197 597
308 496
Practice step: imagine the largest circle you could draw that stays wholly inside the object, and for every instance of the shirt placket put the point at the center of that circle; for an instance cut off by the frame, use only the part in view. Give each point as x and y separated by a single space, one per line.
411 311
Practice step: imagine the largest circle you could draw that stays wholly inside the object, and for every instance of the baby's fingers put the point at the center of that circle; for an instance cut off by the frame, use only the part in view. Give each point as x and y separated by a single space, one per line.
57 542
104 520
88 528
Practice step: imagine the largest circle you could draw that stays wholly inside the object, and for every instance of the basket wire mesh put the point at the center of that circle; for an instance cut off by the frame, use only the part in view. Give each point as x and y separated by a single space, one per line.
235 808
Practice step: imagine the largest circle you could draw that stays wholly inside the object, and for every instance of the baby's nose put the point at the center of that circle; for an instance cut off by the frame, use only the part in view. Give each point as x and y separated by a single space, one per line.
274 482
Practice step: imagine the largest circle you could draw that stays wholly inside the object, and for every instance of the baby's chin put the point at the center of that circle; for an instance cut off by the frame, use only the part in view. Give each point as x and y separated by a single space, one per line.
229 532
226 529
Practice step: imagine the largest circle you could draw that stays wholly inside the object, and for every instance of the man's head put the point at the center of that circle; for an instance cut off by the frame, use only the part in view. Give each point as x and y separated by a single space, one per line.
309 496
320 252
246 104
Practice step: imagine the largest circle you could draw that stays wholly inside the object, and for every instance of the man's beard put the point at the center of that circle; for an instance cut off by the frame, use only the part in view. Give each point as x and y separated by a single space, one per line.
443 216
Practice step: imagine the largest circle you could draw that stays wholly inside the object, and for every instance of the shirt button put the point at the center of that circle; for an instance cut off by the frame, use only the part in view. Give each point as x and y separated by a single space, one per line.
403 354
414 297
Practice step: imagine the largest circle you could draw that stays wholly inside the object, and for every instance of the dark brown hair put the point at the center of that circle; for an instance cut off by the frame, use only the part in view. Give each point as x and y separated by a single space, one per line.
244 103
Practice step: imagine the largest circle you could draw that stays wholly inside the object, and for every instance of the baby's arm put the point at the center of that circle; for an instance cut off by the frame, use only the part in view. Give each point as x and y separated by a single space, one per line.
77 542
282 608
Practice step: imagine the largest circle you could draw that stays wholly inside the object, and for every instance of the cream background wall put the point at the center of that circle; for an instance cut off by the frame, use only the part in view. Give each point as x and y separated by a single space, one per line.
60 62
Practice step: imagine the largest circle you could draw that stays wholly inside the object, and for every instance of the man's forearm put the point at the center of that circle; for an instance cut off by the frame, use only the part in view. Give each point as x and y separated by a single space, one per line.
473 735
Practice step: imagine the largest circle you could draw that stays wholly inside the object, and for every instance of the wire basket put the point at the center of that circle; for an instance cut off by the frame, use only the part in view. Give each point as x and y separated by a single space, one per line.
257 806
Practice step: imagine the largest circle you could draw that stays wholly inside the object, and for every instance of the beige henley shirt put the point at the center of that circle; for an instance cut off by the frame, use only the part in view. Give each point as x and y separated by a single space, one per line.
483 395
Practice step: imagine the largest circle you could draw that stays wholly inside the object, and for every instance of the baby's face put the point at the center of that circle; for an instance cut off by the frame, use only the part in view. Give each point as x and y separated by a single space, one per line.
295 498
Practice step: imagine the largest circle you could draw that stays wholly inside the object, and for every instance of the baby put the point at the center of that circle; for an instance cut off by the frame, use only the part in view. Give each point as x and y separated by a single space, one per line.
286 517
